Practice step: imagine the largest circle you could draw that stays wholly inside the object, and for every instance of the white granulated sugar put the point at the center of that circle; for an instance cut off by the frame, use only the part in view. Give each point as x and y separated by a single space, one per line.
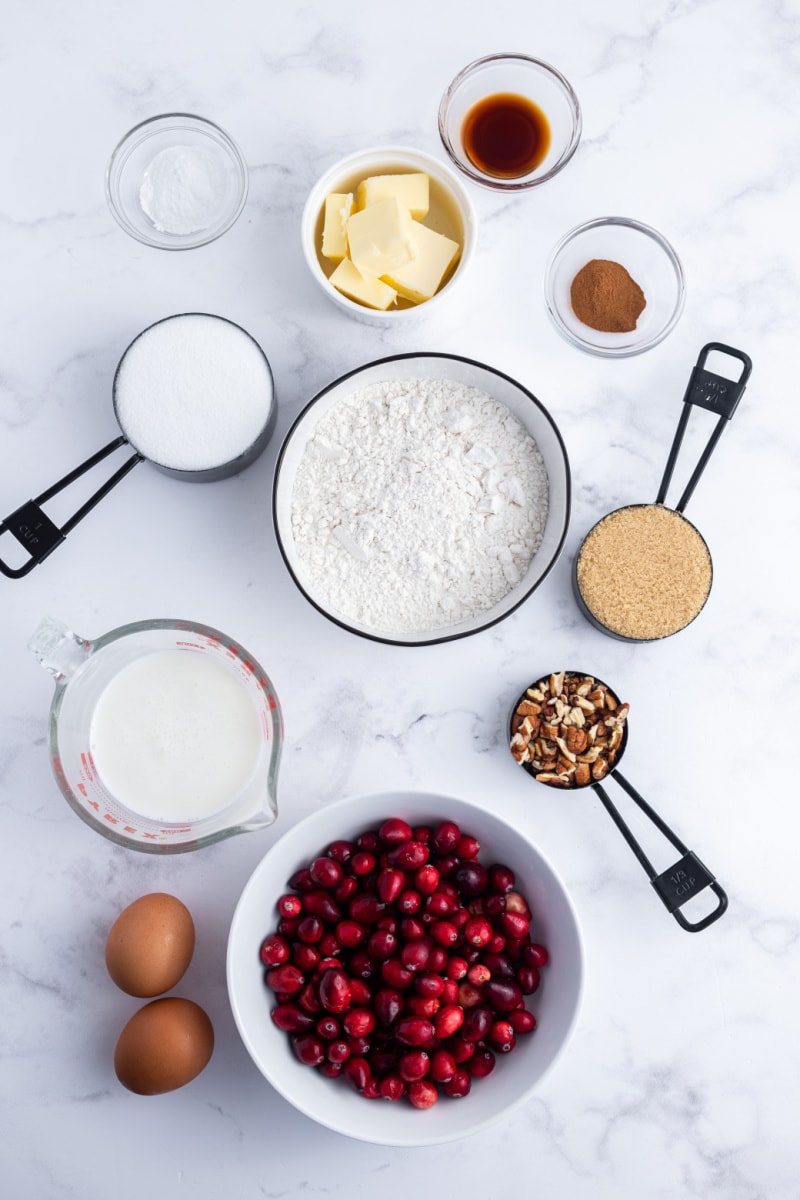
417 504
183 189
193 392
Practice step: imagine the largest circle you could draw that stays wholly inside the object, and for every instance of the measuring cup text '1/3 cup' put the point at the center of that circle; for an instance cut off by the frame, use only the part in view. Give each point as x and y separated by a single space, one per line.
569 730
193 395
164 736
644 572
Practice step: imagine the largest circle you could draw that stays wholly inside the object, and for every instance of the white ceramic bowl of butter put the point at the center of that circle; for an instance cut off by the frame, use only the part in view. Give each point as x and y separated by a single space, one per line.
450 214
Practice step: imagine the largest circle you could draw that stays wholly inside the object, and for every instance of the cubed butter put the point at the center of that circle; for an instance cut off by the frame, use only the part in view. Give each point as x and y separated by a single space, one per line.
411 190
380 237
368 290
338 207
421 278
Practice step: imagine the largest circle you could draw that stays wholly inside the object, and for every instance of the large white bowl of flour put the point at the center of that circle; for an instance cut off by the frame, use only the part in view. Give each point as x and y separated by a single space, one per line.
421 498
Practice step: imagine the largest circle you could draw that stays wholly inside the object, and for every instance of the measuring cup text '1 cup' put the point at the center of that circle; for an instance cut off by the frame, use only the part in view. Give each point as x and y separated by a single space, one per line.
193 395
164 735
569 731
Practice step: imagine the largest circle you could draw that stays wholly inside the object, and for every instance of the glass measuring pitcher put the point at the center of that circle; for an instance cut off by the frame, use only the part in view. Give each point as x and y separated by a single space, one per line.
164 736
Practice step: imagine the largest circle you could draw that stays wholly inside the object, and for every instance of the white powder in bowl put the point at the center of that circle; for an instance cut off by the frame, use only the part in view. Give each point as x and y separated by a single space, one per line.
183 189
417 504
193 392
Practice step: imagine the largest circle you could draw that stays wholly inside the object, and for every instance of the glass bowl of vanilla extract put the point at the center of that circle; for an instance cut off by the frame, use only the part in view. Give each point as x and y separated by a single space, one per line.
510 122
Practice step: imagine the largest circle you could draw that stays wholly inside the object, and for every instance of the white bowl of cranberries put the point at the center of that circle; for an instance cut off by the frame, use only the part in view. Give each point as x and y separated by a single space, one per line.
404 967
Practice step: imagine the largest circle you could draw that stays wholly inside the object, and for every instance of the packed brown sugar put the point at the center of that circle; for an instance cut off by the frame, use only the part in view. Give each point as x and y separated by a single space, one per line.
644 572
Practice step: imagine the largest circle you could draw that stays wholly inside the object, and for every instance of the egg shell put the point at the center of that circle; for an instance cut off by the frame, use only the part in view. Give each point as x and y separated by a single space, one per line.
150 945
165 1044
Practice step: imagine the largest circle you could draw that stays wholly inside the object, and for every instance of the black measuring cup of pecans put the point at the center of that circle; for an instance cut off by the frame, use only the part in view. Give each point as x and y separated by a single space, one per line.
644 572
569 731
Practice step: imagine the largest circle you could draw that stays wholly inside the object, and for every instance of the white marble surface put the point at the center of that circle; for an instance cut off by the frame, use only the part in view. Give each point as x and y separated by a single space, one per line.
682 1077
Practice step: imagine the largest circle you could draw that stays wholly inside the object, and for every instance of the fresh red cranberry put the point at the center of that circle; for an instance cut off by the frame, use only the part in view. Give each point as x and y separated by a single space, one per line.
305 958
445 864
449 992
503 994
341 851
414 1065
478 974
422 1093
478 931
287 926
395 974
365 909
328 945
360 1046
338 1051
444 933
482 1063
350 933
330 1069
409 855
471 878
502 1037
514 925
286 978
459 1085
381 945
290 906
477 1023
439 904
358 1022
468 994
362 862
308 999
535 955
274 950
291 1019
497 944
528 979
422 1006
414 955
308 1049
390 884
499 965
443 1066
428 983
346 889
411 928
426 879
501 878
392 1087
360 992
327 964
388 1005
395 831
409 902
468 847
522 1021
328 1028
322 905
368 840
516 903
446 837
448 1020
301 881
361 966
415 1031
334 991
326 872
357 1070
457 967
461 1049
310 930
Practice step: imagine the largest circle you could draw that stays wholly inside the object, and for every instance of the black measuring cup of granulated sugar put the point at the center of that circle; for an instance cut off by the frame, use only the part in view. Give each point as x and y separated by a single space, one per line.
644 571
193 395
548 740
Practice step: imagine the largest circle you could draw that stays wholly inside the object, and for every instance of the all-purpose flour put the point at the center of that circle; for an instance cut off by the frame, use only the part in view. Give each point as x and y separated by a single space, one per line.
417 504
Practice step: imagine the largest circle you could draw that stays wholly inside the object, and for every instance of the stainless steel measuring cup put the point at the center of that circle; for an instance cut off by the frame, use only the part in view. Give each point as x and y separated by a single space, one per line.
560 734
39 535
618 595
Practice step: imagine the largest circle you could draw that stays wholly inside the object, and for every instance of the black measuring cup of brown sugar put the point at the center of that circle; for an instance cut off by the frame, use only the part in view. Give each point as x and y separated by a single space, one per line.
569 731
193 395
644 572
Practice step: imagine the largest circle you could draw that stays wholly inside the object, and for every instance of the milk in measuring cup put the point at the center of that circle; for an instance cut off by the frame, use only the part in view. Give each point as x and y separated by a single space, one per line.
175 736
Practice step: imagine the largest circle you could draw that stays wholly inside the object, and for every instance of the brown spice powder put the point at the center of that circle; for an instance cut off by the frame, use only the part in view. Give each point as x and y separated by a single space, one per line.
606 298
644 572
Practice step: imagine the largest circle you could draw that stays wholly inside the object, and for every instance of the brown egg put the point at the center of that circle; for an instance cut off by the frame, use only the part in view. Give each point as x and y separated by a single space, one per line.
150 945
163 1046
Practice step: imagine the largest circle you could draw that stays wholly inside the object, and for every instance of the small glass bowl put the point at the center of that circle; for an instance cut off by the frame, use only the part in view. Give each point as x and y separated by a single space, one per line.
134 154
647 257
523 76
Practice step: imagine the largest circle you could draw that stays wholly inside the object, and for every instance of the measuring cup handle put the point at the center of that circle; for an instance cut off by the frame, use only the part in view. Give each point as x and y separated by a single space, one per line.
684 879
719 395
32 527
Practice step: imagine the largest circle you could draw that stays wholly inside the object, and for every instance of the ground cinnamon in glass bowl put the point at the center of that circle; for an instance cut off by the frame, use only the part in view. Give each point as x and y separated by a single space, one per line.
609 317
643 573
605 297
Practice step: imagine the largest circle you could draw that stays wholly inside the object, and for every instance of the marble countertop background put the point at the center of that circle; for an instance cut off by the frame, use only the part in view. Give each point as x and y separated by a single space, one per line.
682 1077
